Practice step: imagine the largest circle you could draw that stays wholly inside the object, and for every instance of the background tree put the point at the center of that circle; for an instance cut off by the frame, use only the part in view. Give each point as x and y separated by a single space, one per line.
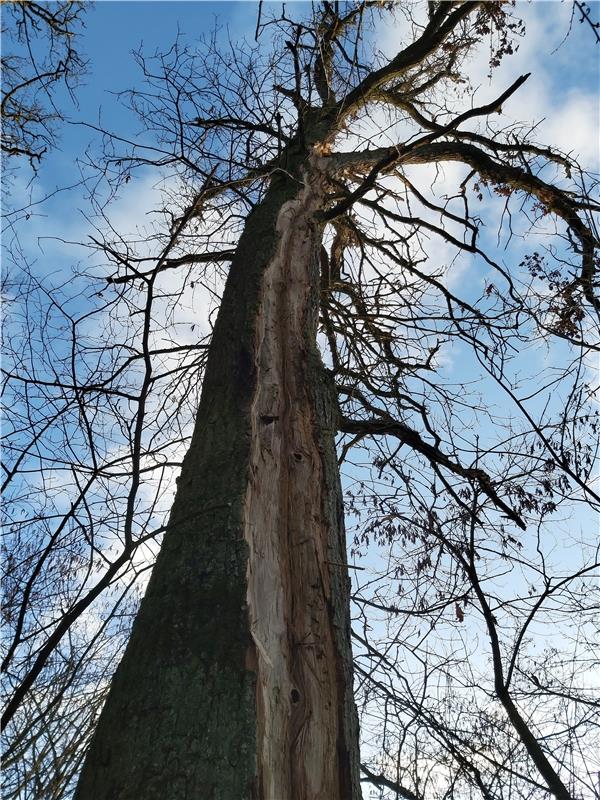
280 177
39 55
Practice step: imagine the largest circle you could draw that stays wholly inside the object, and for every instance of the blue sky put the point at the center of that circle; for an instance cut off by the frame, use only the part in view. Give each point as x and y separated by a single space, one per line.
113 29
562 91
562 87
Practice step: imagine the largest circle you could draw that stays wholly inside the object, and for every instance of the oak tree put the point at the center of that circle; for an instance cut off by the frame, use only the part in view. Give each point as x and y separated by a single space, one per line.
304 170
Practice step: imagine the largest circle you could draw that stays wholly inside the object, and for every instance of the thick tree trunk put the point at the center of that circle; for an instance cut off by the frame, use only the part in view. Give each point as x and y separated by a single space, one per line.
237 680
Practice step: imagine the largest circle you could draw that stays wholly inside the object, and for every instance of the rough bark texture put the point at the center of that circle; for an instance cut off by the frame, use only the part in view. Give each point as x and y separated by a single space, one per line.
237 680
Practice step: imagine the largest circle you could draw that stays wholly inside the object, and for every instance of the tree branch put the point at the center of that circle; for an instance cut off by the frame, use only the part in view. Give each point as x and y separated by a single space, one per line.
386 426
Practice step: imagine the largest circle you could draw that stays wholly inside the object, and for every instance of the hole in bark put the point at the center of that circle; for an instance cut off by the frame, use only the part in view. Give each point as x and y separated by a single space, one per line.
268 419
298 456
295 695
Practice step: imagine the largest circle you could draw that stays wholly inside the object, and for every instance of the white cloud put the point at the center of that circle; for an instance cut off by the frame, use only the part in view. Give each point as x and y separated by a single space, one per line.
555 97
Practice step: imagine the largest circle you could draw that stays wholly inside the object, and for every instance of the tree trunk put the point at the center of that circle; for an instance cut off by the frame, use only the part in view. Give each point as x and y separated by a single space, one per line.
237 680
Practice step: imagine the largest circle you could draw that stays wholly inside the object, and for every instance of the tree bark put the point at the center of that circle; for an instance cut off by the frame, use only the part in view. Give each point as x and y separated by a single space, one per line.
237 680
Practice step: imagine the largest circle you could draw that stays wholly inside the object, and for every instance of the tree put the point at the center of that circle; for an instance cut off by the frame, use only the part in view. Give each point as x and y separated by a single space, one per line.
237 678
42 57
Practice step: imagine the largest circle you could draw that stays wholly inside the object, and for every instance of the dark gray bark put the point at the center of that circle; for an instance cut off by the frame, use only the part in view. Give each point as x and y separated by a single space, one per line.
208 702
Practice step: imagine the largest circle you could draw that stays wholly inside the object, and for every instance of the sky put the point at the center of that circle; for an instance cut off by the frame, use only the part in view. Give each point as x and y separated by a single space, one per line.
562 89
561 96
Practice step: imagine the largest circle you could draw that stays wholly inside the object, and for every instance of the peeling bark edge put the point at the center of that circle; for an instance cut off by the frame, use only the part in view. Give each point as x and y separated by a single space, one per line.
298 600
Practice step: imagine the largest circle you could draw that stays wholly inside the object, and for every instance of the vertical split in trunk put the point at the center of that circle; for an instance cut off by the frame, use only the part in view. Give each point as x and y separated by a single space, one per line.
294 543
237 681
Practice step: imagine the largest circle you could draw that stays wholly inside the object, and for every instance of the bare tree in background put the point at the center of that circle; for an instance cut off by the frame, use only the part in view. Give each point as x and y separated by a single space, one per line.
328 254
38 55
